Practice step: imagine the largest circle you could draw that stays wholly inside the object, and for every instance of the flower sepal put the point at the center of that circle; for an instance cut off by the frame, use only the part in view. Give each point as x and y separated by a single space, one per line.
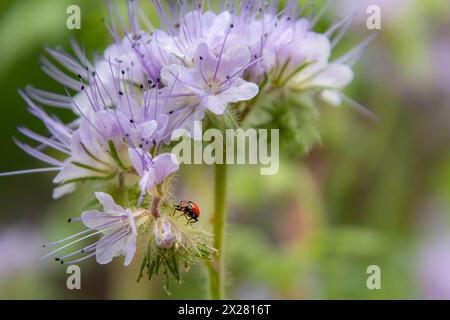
172 247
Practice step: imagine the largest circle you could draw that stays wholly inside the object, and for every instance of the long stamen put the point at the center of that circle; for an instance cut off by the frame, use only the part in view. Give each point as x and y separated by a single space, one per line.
52 244
241 70
69 244
357 50
85 117
222 49
359 108
92 254
78 260
89 247
18 172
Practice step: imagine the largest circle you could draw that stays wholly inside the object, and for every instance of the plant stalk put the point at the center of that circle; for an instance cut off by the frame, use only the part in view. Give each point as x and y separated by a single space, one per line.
216 267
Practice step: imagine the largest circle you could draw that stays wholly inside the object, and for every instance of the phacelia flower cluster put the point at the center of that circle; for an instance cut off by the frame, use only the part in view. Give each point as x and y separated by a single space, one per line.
151 81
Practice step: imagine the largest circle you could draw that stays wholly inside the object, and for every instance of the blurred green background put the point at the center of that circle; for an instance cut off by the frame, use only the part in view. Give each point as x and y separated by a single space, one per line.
368 194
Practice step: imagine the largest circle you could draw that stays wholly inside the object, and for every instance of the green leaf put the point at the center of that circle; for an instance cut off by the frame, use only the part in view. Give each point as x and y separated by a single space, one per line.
143 265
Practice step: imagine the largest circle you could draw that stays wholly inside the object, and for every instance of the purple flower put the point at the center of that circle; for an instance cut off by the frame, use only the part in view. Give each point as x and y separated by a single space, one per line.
153 171
328 77
191 29
214 82
117 227
149 83
99 147
119 236
91 157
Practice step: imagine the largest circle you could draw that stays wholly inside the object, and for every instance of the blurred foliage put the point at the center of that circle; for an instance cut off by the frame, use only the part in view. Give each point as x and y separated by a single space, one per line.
294 114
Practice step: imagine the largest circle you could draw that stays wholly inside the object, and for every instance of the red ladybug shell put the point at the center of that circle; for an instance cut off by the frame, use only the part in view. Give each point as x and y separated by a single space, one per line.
189 208
194 209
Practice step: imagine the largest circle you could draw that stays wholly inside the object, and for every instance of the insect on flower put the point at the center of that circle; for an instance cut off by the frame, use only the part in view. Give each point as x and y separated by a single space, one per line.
189 209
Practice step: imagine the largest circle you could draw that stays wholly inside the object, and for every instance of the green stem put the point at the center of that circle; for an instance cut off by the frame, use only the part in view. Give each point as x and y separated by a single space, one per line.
216 267
122 192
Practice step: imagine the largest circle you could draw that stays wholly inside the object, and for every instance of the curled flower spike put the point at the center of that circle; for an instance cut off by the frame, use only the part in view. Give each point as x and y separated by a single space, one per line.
152 81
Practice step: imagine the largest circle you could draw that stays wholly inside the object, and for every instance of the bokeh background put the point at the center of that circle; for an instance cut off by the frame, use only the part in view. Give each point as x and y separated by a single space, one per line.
367 194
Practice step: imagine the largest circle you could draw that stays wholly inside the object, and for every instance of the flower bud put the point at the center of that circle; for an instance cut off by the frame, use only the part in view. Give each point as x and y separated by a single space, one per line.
164 233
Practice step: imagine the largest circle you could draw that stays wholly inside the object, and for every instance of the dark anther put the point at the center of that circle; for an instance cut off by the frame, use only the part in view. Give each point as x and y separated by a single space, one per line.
82 87
121 93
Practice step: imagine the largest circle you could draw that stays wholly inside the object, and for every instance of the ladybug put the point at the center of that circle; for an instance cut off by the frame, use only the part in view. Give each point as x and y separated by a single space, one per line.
189 209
